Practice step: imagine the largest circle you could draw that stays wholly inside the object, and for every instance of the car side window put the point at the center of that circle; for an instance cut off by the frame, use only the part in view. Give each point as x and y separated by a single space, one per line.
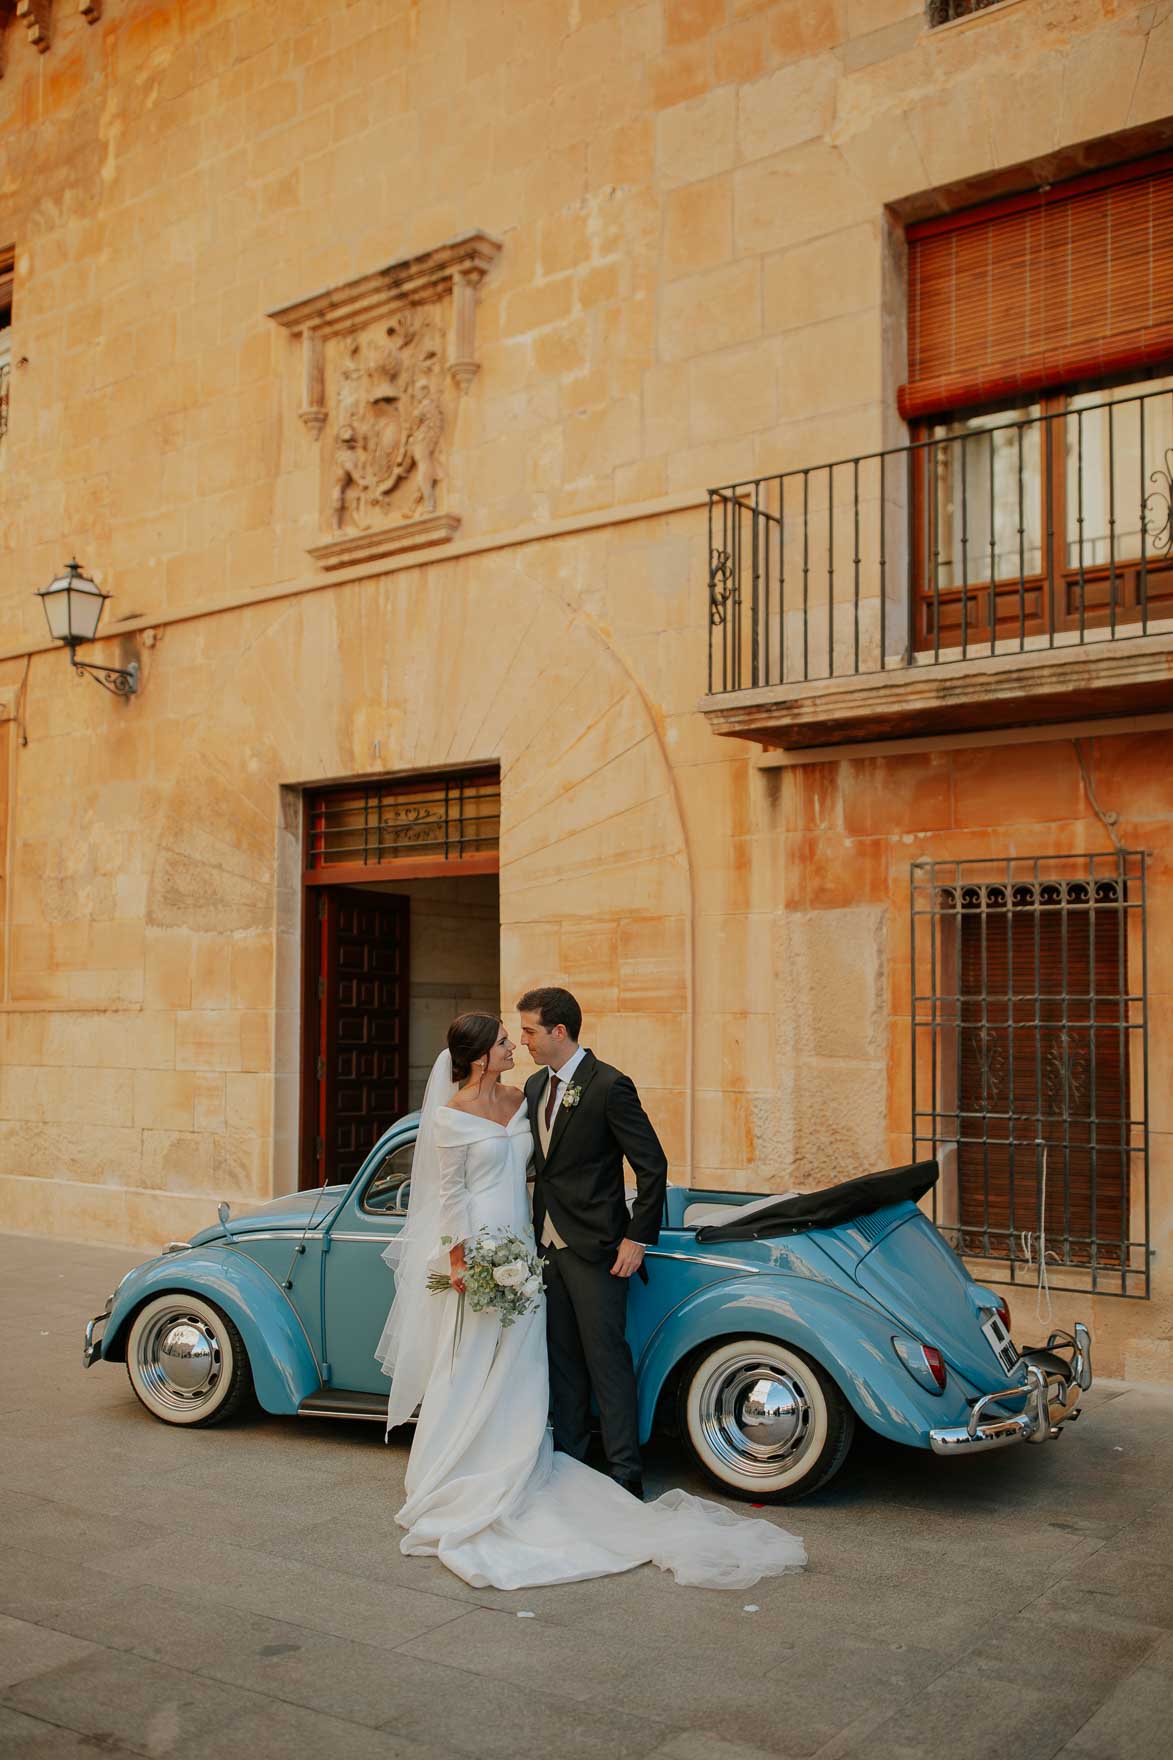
387 1189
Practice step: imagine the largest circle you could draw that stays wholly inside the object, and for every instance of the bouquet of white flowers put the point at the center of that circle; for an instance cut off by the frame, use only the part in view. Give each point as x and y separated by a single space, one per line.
500 1272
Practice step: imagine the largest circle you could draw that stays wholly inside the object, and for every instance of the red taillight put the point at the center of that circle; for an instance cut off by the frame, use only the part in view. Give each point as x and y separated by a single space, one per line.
936 1364
924 1362
1002 1309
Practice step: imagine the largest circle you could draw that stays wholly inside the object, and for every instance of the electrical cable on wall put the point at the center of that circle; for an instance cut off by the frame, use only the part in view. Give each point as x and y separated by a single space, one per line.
1034 1245
1108 820
22 701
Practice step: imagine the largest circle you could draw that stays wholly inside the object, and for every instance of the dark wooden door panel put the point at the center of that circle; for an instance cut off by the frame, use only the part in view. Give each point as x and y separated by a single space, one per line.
361 1064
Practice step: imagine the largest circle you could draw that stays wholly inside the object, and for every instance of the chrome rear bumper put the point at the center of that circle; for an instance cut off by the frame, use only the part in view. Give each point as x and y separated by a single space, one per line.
1051 1394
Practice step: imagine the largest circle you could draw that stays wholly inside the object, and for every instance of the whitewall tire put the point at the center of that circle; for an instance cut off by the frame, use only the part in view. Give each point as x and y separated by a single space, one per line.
186 1360
763 1421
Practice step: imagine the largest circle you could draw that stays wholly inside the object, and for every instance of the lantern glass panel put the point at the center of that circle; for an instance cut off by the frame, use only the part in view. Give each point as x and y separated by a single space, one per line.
73 607
85 608
56 603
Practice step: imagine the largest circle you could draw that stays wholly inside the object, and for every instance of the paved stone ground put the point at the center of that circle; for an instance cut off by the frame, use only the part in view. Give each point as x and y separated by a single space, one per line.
240 1591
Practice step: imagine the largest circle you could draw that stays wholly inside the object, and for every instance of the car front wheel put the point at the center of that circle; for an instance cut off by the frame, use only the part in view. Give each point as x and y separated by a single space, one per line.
186 1361
763 1421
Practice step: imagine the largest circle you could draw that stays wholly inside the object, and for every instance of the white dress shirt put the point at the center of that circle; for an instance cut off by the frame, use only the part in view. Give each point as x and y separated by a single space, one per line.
562 1078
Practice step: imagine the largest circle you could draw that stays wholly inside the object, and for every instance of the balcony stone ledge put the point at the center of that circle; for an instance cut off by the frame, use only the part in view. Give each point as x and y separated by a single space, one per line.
1128 676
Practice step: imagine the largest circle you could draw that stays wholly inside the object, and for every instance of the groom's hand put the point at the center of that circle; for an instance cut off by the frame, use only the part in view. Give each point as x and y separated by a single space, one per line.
628 1259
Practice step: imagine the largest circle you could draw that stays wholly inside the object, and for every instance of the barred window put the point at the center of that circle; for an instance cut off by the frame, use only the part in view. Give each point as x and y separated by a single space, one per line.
945 11
431 822
1029 1063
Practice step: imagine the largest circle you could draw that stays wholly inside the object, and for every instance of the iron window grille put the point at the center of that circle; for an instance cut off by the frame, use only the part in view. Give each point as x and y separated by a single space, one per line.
945 11
1030 1064
442 818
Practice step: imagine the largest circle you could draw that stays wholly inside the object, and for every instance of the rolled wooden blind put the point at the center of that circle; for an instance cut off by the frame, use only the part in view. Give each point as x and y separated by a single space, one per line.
1043 1059
1064 284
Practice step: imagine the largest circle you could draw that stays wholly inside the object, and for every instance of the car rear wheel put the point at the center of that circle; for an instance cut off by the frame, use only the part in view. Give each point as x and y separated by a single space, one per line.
186 1361
763 1421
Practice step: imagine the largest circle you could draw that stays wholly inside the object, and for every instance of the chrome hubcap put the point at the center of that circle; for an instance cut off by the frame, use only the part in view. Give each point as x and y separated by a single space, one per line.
756 1416
179 1360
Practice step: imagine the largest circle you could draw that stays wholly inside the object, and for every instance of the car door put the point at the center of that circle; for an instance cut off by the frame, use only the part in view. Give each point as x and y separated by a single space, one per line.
359 1286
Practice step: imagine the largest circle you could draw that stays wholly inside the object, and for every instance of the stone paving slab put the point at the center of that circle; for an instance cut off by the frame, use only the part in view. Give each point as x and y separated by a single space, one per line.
27 1649
240 1591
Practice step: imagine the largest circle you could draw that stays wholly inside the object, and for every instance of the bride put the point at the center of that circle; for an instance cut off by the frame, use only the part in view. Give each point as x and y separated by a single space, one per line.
486 1492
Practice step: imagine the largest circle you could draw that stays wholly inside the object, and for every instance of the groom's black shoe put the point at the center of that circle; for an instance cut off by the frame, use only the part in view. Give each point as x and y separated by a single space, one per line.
635 1486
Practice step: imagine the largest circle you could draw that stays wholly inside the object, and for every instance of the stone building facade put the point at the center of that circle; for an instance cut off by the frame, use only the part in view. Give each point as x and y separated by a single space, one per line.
378 360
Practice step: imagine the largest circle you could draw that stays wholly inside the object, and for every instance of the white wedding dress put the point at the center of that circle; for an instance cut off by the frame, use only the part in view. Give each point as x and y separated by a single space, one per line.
486 1492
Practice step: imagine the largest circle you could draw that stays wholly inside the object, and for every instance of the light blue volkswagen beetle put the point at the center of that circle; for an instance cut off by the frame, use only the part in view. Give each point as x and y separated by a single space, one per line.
768 1329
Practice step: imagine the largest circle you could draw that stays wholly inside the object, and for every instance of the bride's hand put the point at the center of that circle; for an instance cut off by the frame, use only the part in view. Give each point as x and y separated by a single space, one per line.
456 1263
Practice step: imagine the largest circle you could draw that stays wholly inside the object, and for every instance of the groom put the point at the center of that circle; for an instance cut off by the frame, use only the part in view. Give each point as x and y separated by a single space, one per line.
585 1117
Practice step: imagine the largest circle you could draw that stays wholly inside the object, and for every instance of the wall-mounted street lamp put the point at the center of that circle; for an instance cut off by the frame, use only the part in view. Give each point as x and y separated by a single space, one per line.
73 607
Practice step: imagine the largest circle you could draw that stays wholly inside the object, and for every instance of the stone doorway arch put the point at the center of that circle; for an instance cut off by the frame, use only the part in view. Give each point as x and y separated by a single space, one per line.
480 659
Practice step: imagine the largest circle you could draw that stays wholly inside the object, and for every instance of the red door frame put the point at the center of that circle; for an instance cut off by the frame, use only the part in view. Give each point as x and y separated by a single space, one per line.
315 1115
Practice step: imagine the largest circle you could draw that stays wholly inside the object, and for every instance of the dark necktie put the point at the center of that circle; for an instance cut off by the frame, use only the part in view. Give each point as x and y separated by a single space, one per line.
550 1099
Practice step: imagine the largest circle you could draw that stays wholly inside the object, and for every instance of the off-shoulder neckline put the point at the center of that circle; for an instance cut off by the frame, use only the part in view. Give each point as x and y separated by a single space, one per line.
479 1117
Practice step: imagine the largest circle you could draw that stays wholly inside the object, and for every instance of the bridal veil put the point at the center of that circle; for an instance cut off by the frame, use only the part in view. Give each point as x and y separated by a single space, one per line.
407 1349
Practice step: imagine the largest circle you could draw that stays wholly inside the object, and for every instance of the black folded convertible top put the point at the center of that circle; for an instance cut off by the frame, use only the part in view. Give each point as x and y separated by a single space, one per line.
826 1209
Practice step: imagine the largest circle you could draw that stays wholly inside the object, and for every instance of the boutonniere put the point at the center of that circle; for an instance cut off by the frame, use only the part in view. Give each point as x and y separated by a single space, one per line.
572 1097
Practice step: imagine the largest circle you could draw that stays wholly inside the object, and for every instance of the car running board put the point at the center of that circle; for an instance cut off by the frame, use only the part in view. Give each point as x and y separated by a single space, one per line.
336 1402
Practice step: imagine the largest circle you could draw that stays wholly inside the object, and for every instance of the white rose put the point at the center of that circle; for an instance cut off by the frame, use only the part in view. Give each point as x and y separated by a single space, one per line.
531 1287
511 1276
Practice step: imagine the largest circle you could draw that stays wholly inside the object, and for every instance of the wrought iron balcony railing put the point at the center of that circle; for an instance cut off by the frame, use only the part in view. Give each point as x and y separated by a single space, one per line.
985 536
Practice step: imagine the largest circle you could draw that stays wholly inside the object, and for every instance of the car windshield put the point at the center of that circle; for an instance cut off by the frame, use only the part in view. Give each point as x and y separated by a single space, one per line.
387 1189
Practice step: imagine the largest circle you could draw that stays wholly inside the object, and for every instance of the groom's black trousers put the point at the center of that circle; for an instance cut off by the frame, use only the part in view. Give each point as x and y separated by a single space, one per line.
586 1329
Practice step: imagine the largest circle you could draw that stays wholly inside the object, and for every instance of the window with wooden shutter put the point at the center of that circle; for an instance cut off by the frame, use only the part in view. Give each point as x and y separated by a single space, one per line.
1037 500
1030 1032
7 266
1055 287
1042 1068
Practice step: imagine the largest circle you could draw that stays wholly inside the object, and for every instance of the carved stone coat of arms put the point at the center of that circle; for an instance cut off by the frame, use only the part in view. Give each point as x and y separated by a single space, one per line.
386 359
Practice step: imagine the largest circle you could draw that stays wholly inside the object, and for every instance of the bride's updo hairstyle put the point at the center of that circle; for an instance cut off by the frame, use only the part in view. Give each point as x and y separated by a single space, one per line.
471 1037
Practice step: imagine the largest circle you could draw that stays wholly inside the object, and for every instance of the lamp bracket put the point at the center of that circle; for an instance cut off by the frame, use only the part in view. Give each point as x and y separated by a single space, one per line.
122 681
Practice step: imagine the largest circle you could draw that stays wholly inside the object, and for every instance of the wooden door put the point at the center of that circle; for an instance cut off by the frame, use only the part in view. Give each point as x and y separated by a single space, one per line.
359 1049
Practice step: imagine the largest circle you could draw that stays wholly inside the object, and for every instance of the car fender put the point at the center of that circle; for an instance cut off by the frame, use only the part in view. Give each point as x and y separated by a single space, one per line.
284 1368
847 1337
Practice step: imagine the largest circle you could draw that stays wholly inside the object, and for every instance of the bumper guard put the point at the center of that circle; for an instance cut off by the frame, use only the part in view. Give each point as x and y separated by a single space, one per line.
94 1331
1052 1390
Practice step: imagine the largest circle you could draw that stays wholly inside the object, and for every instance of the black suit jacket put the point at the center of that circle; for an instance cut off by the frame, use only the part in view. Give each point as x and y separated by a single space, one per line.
580 1183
